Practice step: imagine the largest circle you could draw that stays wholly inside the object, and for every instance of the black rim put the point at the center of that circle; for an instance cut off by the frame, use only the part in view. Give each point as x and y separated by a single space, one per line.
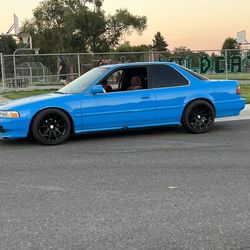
201 118
52 127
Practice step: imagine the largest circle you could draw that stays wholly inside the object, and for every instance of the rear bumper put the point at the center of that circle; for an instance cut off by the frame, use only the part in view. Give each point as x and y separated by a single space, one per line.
229 107
14 128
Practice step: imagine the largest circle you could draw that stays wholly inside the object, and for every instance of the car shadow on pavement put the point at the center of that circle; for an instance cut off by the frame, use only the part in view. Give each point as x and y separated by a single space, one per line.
153 131
102 135
128 133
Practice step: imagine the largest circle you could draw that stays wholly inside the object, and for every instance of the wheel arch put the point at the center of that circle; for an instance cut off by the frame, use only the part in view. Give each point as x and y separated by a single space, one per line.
61 109
198 99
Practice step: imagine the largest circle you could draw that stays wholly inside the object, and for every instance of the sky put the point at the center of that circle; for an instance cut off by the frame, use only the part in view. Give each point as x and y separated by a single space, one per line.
196 24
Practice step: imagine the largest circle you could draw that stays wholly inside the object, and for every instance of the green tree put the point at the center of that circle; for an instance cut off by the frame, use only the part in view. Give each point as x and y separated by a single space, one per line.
159 42
182 52
118 25
127 47
179 54
7 45
230 43
79 26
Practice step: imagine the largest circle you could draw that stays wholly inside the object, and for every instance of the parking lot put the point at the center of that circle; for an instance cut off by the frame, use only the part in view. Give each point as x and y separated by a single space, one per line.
151 189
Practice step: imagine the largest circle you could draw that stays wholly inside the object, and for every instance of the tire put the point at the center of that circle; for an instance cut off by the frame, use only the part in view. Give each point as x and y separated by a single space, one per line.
199 117
51 127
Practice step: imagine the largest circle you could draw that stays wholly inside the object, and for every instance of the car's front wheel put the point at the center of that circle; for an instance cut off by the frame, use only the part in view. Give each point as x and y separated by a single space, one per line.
199 117
51 127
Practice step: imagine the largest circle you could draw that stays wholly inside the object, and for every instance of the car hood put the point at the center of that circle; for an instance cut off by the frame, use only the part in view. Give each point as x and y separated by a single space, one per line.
15 104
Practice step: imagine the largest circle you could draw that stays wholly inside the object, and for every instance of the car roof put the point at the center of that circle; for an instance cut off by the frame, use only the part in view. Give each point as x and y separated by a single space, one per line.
114 66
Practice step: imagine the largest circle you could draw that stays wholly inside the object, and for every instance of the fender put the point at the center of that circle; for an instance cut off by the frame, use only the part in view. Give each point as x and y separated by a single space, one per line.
205 97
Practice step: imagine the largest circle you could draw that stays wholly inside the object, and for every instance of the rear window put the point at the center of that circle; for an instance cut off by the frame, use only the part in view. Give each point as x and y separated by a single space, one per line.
195 74
166 76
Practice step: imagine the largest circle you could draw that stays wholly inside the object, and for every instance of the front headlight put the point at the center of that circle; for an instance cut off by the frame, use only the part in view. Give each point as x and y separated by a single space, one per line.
9 114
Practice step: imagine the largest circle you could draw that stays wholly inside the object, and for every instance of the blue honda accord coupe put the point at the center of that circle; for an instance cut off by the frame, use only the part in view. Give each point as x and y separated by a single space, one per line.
123 96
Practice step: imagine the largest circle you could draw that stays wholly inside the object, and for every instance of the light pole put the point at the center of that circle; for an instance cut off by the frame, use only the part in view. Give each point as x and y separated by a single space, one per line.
36 50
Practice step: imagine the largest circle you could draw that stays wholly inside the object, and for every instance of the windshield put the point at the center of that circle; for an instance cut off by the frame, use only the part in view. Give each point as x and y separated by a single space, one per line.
81 83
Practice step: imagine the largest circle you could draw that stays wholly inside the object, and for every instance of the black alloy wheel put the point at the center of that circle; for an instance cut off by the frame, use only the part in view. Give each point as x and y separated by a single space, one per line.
199 117
51 127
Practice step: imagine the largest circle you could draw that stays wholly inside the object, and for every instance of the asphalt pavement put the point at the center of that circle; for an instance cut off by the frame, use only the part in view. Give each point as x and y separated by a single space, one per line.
151 189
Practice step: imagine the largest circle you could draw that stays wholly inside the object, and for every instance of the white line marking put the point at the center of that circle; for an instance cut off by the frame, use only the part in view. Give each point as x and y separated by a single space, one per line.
173 187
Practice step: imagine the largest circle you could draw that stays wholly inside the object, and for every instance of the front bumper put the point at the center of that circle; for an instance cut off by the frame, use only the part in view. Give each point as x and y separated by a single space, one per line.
14 128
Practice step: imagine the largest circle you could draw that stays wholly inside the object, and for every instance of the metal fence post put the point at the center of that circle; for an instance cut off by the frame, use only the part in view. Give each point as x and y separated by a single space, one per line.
93 59
149 56
79 64
14 67
153 55
2 70
226 66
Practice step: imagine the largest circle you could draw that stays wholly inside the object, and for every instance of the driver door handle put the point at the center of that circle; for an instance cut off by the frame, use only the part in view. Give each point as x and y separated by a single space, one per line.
145 97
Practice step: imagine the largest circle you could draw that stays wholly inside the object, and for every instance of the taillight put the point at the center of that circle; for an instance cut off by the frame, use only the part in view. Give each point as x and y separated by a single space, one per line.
238 90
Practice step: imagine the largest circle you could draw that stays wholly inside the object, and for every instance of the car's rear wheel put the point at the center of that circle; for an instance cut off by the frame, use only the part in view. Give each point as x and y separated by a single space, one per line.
199 117
51 127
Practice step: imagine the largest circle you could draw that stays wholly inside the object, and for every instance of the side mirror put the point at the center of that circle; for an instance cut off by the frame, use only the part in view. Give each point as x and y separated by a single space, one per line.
97 89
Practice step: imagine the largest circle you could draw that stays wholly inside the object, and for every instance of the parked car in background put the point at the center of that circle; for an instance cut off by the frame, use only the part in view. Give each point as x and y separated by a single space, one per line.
123 96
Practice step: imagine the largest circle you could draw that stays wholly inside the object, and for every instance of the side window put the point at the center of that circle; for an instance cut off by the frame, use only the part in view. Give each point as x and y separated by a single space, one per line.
127 79
113 82
166 76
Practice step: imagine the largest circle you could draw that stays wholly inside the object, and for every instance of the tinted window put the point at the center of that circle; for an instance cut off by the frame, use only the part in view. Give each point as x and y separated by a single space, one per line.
195 74
166 76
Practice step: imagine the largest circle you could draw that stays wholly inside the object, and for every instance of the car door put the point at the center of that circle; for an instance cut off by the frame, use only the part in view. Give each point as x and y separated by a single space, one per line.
171 89
119 109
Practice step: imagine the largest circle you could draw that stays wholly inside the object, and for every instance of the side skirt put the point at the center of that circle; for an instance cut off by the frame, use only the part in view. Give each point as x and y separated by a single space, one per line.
127 128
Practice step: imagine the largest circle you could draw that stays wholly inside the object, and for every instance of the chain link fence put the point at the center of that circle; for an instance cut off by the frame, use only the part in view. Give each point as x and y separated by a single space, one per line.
215 64
39 71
